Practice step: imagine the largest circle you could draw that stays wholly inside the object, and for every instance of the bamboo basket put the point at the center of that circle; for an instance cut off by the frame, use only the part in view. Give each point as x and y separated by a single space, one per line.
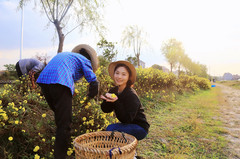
105 145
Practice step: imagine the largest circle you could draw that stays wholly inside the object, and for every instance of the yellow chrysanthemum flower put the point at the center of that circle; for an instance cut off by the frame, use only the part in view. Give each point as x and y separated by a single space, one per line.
36 156
10 138
113 95
36 149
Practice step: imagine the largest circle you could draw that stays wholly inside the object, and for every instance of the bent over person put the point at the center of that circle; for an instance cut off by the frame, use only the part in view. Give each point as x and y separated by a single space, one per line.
31 67
124 101
57 84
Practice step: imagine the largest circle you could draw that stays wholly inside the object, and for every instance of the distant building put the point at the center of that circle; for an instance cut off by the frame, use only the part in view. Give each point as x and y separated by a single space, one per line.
142 64
227 76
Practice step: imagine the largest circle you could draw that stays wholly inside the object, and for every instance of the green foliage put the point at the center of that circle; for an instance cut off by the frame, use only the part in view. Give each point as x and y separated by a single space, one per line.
10 73
10 67
132 60
27 123
157 67
172 50
103 61
108 49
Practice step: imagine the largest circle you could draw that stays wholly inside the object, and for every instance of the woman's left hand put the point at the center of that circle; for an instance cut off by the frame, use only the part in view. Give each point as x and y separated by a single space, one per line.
108 97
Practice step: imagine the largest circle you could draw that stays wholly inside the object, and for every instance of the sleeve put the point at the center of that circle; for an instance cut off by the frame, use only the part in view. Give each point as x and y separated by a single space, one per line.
88 72
38 68
107 107
126 110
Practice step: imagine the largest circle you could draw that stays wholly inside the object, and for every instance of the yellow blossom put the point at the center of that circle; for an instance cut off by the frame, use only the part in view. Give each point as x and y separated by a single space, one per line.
84 118
76 91
10 138
69 152
113 95
25 101
44 115
36 149
36 156
16 122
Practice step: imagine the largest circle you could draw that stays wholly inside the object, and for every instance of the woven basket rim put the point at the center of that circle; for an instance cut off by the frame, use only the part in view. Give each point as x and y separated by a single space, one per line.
126 148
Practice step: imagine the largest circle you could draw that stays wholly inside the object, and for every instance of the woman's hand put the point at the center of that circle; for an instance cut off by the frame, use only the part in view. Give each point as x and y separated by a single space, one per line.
109 97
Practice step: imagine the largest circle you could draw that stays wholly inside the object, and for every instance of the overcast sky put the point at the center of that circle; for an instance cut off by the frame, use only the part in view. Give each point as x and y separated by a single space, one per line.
208 29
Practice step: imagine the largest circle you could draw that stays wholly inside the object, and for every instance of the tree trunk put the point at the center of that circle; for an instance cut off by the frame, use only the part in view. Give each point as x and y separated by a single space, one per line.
178 70
138 60
61 36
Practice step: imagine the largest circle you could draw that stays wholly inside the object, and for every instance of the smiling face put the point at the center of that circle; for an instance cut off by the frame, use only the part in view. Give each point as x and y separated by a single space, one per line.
121 76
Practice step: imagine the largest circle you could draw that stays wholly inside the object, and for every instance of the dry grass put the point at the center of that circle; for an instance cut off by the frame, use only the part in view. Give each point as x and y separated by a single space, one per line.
235 84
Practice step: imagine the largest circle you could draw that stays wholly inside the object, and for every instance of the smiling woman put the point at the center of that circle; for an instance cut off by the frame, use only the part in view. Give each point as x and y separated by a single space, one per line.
126 104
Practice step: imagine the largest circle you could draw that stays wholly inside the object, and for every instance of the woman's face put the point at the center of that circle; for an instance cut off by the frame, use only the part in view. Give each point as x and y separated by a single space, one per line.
121 76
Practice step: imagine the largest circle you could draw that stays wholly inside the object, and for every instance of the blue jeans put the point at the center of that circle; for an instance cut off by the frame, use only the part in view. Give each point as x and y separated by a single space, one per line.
132 129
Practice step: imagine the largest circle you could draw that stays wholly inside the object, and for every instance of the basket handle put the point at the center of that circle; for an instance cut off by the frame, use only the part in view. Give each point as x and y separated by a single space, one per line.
123 134
110 151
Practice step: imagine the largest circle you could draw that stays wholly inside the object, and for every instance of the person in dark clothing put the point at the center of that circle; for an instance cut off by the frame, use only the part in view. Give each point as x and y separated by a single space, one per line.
124 101
57 84
31 67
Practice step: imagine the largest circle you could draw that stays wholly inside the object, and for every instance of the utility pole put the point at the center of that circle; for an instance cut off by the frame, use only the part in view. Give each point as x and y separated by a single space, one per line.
21 43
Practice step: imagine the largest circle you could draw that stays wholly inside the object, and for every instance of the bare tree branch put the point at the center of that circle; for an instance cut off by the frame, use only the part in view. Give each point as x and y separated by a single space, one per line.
54 2
46 12
64 13
57 11
73 29
49 6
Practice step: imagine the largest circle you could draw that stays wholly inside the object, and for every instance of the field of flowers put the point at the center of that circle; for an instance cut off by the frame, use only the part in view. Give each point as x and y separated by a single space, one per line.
27 124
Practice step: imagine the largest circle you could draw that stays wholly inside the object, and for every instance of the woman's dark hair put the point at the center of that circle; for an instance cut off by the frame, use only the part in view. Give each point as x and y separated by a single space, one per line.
129 82
83 52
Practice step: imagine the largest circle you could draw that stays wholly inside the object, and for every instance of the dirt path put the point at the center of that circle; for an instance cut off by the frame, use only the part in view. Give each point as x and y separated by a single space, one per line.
230 110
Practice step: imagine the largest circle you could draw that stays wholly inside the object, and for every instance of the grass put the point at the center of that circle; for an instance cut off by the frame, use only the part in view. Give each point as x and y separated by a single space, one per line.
235 84
187 128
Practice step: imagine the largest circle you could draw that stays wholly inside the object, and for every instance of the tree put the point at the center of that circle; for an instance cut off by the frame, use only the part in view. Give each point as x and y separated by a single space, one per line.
155 66
203 71
172 49
134 37
108 49
181 60
103 61
10 73
10 67
132 60
62 12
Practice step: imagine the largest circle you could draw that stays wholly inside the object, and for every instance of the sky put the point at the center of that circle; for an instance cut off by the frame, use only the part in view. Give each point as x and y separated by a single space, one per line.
208 29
